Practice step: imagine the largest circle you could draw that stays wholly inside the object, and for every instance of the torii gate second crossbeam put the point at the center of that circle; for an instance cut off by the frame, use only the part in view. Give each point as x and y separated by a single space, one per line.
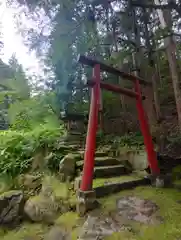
97 84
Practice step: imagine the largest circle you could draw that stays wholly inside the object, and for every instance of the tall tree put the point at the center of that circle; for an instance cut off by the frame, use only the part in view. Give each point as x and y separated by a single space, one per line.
166 23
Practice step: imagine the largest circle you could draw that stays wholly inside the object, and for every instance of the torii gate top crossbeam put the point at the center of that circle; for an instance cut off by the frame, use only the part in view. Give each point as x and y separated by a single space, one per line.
90 62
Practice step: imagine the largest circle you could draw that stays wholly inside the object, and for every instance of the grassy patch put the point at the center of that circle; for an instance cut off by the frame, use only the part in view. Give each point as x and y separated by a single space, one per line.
60 190
6 183
27 231
68 220
168 202
120 236
71 222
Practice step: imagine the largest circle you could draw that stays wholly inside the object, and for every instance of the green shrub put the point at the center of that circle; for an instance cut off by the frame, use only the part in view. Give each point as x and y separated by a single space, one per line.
176 173
30 113
18 148
133 140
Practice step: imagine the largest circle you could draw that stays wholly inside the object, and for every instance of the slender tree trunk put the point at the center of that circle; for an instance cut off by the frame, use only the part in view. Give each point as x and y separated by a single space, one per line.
171 50
114 39
148 91
155 80
151 66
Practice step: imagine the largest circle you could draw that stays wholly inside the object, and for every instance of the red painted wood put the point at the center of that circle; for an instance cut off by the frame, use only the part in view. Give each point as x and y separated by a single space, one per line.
88 169
114 88
151 155
97 84
92 62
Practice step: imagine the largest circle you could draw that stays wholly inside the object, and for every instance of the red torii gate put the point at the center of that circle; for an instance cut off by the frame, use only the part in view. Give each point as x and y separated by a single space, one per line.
97 84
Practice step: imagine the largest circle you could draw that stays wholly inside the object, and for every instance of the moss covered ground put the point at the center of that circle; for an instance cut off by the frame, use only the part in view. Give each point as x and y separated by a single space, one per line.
168 200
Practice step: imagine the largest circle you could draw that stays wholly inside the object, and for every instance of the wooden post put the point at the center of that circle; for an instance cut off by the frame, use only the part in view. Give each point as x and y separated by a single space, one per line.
88 169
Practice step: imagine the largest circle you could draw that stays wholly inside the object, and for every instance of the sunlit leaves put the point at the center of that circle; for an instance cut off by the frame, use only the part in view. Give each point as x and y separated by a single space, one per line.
17 148
33 112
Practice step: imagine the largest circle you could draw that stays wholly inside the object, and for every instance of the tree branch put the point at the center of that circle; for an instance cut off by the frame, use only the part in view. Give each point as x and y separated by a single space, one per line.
5 87
153 6
137 4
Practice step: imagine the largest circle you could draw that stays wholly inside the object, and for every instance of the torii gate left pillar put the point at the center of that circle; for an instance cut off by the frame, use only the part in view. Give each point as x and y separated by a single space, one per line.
86 194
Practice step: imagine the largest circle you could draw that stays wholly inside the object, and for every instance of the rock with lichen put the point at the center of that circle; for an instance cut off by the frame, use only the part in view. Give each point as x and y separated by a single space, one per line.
67 166
29 183
51 201
11 204
41 209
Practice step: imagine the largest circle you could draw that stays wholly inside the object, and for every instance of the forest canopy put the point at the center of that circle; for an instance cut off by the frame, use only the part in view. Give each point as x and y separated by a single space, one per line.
110 31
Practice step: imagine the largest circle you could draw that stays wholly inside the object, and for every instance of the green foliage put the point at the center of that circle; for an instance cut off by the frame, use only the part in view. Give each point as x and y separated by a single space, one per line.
175 139
14 80
176 173
134 140
14 86
27 114
18 148
5 71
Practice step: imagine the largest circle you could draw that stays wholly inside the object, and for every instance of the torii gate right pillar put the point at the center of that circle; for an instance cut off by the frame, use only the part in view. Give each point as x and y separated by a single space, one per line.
151 154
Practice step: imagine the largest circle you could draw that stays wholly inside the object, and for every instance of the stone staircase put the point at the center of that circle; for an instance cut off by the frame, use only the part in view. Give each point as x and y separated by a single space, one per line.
76 139
107 169
106 166
114 175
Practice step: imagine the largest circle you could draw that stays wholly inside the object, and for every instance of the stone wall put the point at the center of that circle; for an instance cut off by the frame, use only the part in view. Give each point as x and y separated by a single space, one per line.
137 159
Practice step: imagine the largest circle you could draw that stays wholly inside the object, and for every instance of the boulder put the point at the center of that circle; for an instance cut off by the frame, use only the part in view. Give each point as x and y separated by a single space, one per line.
11 203
29 182
41 209
139 210
52 200
100 227
67 166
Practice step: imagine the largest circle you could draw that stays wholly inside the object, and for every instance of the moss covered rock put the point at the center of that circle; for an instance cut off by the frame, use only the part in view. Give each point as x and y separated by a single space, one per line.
52 201
11 204
29 183
67 167
41 208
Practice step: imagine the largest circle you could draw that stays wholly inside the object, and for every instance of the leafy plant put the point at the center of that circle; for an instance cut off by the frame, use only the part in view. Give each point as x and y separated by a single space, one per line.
28 114
18 148
134 140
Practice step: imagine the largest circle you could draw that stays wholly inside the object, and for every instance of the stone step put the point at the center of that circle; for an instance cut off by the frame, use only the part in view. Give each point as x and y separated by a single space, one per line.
101 161
75 133
62 146
101 154
110 171
97 154
104 191
74 138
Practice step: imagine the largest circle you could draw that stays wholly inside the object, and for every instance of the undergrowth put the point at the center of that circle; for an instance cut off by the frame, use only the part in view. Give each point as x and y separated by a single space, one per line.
17 148
129 141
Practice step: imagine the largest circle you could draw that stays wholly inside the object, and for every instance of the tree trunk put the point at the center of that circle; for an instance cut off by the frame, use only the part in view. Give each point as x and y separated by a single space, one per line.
155 79
165 21
151 71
